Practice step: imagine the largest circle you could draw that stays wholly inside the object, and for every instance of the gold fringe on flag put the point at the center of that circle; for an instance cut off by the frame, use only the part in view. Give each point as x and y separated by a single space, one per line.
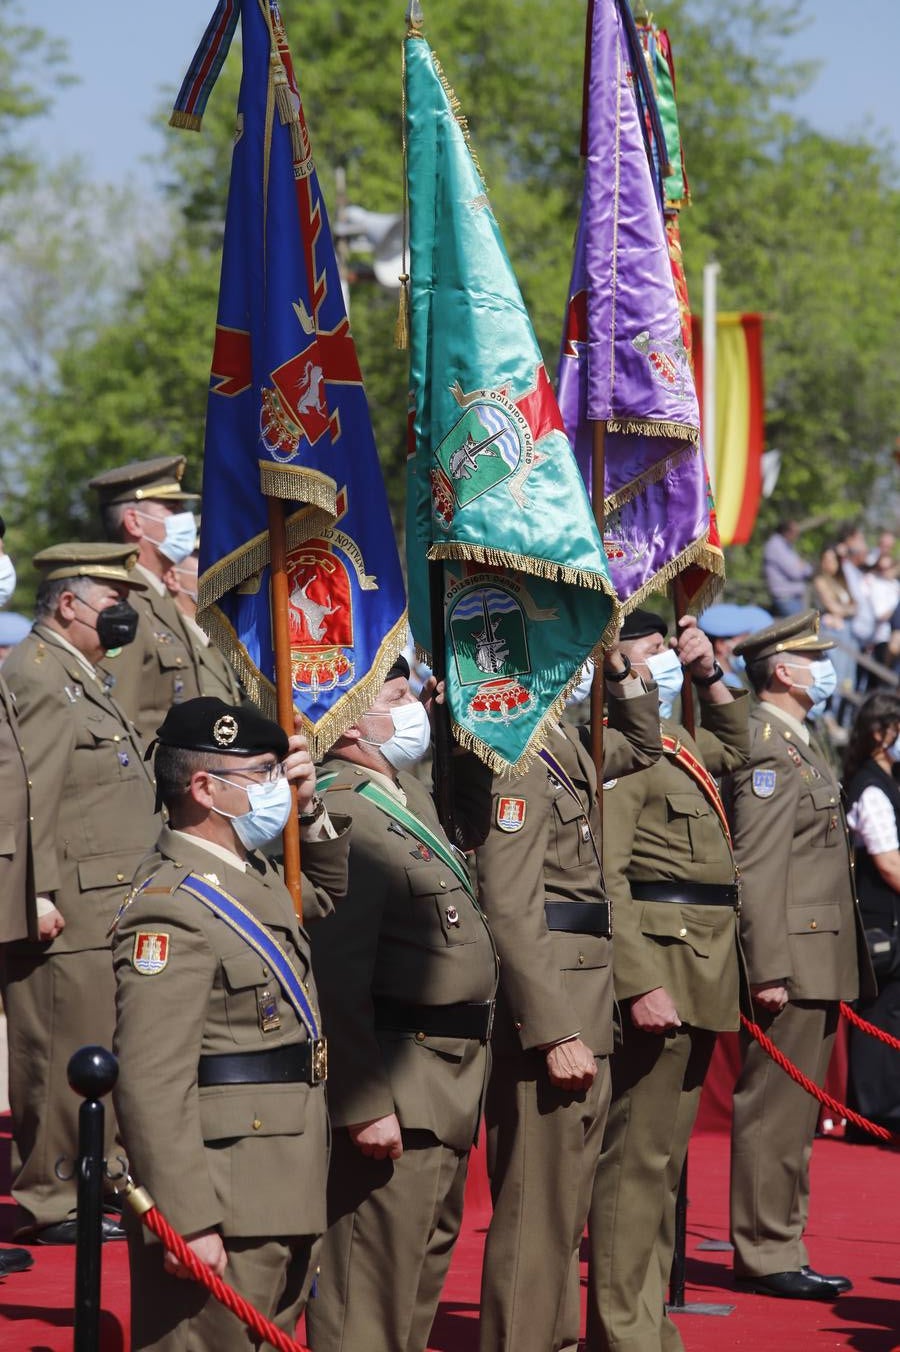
184 121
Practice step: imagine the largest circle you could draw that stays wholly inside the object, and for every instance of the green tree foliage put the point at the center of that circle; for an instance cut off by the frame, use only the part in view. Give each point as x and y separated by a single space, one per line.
30 65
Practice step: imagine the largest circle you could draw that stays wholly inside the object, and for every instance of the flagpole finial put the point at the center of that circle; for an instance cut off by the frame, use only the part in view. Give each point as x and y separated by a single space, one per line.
415 15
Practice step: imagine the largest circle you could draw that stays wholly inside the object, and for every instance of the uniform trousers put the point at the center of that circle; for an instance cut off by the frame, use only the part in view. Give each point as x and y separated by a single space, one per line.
174 1314
771 1139
392 1228
656 1084
543 1148
54 1005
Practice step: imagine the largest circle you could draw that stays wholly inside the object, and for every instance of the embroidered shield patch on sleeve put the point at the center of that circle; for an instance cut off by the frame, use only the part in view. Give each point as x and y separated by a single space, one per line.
763 783
511 813
151 953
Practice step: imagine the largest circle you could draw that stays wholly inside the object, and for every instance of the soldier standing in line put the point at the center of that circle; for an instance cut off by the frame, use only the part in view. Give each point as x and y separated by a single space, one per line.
92 814
221 1089
805 950
143 505
671 874
541 885
407 973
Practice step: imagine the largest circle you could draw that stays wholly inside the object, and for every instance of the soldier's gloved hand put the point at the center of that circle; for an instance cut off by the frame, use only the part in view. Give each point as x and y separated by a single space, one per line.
571 1065
771 996
208 1246
654 1011
379 1138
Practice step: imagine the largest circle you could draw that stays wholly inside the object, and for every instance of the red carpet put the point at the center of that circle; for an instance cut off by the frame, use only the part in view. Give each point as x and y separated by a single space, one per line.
854 1229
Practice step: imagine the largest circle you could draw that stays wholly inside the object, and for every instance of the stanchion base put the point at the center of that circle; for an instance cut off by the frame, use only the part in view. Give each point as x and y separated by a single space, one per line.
700 1307
716 1246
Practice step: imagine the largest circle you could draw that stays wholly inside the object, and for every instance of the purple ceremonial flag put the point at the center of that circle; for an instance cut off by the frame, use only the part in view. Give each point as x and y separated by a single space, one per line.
624 362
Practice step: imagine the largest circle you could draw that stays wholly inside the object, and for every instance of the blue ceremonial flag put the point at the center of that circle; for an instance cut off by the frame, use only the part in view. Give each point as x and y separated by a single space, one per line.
287 415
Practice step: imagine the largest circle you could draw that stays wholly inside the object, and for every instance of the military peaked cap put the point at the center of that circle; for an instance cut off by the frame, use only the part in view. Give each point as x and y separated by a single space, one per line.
209 724
794 634
105 562
144 481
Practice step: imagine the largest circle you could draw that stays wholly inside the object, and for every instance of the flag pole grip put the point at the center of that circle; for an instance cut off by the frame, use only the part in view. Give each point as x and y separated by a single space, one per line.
284 687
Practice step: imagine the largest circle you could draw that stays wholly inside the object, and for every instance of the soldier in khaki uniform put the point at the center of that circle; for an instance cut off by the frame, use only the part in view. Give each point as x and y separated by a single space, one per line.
144 505
407 973
671 875
541 887
92 817
803 942
221 1094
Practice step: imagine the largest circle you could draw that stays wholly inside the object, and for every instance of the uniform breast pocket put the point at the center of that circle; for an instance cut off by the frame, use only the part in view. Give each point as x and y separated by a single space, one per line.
115 756
692 820
573 838
441 912
253 1003
828 830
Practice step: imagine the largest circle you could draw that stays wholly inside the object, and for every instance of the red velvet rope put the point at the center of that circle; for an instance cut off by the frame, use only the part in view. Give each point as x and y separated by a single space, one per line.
838 1108
156 1221
852 1017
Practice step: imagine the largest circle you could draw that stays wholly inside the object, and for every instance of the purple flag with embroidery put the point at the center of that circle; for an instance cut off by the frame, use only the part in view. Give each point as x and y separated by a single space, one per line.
625 360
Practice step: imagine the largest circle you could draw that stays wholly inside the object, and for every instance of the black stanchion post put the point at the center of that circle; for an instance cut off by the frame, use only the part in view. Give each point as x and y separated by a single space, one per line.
92 1072
679 1255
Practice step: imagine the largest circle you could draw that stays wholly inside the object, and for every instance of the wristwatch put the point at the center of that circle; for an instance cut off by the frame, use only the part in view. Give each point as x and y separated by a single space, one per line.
317 810
617 676
703 681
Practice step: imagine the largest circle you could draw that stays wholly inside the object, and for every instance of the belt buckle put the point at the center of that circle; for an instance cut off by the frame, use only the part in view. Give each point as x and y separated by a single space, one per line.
319 1060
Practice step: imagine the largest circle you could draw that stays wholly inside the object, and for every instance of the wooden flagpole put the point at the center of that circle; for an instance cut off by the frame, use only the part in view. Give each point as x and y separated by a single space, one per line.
598 482
443 738
283 686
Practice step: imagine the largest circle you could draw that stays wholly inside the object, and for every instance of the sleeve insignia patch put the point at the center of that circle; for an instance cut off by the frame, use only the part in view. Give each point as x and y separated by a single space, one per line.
151 953
511 813
763 783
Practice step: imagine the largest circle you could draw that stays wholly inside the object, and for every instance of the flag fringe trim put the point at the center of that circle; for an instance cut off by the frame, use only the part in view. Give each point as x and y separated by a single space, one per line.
650 476
653 427
301 483
349 708
185 121
456 109
235 568
523 563
700 554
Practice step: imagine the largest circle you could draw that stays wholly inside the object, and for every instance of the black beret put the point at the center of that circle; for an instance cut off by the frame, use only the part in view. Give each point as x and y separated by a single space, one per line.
209 724
640 623
400 668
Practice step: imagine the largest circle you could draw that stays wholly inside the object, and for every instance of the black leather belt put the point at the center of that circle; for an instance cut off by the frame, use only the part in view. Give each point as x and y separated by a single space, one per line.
301 1063
471 1019
689 894
578 917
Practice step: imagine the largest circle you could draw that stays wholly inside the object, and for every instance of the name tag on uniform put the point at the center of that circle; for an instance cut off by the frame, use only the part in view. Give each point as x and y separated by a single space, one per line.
511 813
763 783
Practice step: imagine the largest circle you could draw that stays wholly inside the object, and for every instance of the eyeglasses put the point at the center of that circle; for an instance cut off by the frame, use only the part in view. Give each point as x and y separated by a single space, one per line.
269 773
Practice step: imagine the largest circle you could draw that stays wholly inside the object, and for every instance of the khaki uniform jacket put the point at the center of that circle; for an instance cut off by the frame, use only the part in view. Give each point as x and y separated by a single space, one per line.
92 795
18 918
407 930
659 826
554 984
249 1159
799 919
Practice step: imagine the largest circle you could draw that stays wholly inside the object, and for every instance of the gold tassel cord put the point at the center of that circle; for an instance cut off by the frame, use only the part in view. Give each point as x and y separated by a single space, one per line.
185 121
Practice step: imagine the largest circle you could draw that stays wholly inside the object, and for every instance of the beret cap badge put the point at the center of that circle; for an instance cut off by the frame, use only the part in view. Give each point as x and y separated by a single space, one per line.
225 730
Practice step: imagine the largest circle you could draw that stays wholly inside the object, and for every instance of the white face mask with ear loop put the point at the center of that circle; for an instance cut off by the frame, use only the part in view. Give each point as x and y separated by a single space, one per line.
411 738
668 673
7 579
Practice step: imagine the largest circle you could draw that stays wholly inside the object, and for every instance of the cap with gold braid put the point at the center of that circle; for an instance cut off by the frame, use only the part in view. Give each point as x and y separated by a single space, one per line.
157 480
794 634
105 562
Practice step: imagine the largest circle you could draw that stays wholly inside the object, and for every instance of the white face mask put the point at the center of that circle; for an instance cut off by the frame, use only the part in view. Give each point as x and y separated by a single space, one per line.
270 807
7 579
410 739
668 674
180 535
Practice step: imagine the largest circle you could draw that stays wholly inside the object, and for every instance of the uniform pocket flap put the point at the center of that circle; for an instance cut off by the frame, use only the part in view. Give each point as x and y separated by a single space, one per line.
107 870
667 921
428 880
243 970
228 1111
824 798
686 805
825 915
566 807
7 838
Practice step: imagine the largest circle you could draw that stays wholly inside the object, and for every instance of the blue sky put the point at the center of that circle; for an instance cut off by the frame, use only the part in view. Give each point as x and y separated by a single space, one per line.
107 117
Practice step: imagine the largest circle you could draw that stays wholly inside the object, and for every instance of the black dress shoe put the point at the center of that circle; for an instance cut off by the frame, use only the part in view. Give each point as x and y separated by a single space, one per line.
789 1285
837 1282
66 1232
14 1260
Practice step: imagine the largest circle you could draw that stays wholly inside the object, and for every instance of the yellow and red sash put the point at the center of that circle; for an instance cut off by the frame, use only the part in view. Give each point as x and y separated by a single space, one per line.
700 775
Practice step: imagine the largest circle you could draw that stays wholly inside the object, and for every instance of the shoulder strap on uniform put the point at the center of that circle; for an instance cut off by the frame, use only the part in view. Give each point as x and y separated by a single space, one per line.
392 807
701 777
246 925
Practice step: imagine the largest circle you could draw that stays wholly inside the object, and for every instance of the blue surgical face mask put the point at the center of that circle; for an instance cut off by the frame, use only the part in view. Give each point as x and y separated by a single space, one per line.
180 537
668 674
824 684
737 662
270 807
894 751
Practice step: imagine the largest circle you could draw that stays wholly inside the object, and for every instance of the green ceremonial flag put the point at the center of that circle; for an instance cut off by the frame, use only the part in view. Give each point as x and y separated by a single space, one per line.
493 487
